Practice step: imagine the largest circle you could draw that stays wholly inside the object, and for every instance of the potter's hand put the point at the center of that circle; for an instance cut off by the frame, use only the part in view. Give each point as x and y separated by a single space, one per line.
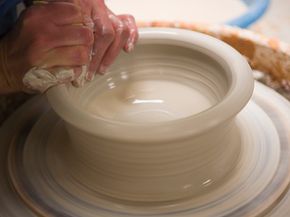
112 33
59 41
46 36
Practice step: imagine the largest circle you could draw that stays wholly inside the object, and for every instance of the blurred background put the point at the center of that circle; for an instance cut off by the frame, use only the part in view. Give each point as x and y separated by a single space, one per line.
276 21
269 17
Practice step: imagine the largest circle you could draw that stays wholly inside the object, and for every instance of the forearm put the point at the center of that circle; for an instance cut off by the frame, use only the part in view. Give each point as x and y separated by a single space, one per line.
8 83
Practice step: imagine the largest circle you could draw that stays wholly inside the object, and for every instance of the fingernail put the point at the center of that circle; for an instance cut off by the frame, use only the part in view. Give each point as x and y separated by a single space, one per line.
90 76
103 69
130 44
86 72
130 47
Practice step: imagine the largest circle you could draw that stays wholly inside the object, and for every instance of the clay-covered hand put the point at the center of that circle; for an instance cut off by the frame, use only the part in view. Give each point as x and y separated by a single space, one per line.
47 36
58 41
112 34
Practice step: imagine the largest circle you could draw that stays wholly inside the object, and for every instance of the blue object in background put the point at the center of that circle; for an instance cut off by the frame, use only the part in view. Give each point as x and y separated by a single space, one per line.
256 8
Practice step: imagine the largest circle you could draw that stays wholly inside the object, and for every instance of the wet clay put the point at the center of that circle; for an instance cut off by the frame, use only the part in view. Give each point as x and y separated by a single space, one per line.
162 114
148 101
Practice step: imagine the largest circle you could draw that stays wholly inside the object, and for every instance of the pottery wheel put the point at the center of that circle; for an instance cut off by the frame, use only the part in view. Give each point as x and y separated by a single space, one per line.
36 177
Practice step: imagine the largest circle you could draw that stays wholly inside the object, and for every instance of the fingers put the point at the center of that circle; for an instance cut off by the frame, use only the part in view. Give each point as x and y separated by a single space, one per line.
126 36
65 56
65 13
133 32
69 36
122 34
107 47
57 12
46 49
76 34
46 41
104 36
129 22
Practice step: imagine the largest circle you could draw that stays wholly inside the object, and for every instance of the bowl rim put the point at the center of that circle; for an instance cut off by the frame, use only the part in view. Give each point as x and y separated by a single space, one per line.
241 85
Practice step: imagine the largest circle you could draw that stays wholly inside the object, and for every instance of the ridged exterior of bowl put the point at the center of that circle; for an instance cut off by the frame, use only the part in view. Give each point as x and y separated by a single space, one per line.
156 171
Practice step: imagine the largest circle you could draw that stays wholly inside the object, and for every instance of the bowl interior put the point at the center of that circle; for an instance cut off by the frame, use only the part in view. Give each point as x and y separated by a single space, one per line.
155 83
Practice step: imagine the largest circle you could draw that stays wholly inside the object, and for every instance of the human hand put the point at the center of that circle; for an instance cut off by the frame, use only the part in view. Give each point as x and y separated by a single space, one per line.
57 39
46 36
112 34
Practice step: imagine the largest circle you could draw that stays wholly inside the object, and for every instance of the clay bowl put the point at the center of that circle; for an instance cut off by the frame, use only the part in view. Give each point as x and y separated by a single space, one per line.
183 145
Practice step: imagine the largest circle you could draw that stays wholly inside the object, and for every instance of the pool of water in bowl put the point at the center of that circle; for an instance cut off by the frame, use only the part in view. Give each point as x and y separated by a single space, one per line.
148 101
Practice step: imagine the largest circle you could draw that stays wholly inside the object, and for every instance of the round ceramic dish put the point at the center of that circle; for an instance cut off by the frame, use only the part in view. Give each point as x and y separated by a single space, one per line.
36 178
112 153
